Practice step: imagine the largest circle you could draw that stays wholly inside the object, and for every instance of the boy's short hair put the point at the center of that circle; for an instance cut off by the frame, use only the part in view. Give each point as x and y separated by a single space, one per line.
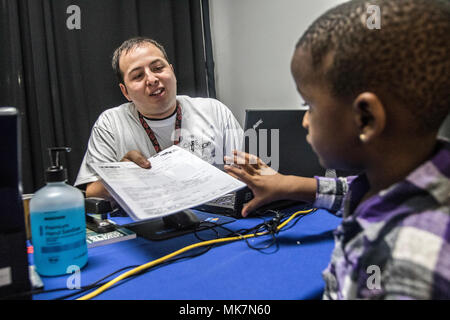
406 60
128 45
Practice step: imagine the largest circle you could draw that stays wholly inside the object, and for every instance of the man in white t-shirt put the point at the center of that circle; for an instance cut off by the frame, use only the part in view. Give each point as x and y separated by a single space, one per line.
155 117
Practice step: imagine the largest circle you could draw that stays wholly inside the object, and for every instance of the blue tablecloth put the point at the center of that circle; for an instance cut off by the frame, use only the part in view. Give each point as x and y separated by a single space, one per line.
291 270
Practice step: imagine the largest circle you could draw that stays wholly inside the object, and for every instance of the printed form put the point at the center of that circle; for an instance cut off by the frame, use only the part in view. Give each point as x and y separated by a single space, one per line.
177 180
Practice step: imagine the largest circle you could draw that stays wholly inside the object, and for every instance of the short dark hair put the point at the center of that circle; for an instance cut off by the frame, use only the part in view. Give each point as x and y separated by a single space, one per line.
128 45
406 59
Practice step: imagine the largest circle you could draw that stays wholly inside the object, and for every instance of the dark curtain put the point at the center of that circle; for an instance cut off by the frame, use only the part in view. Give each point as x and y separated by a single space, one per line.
61 79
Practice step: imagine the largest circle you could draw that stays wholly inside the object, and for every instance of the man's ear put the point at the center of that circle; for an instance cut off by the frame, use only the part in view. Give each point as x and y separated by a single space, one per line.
370 116
124 91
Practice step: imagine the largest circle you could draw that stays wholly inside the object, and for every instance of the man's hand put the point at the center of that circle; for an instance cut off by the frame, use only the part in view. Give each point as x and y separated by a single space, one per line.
97 189
267 184
137 157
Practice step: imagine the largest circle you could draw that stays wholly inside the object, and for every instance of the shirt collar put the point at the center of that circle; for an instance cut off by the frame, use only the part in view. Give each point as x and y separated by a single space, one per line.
431 179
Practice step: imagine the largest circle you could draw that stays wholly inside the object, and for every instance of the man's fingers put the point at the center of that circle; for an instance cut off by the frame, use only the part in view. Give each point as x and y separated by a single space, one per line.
137 157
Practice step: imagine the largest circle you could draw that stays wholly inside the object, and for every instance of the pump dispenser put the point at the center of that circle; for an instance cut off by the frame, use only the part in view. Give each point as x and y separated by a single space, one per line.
58 223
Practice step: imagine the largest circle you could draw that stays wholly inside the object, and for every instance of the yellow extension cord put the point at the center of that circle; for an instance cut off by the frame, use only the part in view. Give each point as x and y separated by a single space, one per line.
182 250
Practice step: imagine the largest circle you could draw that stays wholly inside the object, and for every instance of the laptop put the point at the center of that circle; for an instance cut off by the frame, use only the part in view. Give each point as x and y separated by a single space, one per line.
279 139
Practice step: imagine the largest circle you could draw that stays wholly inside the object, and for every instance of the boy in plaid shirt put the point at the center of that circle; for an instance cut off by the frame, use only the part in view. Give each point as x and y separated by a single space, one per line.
377 96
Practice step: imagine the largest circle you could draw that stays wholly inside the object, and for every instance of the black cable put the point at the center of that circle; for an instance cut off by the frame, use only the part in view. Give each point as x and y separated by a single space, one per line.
97 283
205 224
268 225
93 285
271 227
42 291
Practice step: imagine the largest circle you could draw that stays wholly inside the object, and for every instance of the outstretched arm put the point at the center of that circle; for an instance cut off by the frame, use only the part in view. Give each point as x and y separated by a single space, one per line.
266 184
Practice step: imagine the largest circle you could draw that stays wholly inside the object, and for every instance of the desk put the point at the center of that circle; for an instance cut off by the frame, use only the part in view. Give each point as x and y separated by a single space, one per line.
227 271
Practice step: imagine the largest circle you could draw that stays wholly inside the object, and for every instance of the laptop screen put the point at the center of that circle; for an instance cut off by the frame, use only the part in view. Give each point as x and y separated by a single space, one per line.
279 139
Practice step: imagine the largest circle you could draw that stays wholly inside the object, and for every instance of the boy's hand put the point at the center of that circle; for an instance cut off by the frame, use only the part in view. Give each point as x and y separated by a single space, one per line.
265 183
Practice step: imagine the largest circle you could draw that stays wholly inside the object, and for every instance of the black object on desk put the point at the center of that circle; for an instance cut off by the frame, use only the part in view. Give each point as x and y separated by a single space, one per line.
101 207
170 226
182 220
167 227
98 206
14 277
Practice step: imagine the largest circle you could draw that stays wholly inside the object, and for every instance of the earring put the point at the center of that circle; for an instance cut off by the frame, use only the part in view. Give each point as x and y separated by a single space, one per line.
363 137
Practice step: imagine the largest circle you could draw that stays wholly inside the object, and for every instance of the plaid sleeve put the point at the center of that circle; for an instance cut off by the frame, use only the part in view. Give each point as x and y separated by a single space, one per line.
331 192
423 255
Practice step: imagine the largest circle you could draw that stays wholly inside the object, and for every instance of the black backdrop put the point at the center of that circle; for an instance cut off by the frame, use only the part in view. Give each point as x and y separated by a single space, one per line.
61 79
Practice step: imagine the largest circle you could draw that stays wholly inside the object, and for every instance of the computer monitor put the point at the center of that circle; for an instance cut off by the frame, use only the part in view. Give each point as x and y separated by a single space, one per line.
14 278
279 139
280 133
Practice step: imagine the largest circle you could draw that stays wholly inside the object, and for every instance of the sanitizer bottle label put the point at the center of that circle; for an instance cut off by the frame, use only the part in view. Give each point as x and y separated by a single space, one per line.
59 240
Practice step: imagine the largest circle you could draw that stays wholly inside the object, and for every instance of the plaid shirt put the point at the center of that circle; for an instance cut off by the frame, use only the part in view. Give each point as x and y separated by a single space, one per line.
396 244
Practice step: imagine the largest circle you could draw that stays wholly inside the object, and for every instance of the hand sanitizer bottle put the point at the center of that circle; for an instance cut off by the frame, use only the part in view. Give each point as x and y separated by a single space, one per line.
58 223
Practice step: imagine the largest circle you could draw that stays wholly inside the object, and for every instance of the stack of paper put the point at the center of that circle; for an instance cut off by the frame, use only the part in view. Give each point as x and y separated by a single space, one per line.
177 180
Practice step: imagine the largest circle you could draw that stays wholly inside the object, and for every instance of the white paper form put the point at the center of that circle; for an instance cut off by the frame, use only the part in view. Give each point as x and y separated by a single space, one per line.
177 180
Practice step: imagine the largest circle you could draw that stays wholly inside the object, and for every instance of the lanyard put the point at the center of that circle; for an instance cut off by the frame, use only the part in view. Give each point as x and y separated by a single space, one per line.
151 134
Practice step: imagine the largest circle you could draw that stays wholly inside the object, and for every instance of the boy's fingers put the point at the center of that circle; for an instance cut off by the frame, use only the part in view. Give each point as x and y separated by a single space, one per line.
228 160
232 174
245 158
248 162
240 161
239 174
250 206
248 168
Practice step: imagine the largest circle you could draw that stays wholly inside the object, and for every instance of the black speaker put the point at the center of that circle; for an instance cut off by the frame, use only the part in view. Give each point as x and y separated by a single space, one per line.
14 278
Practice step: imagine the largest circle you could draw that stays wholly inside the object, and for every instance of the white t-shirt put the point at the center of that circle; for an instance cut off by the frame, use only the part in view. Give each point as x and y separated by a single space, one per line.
208 130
